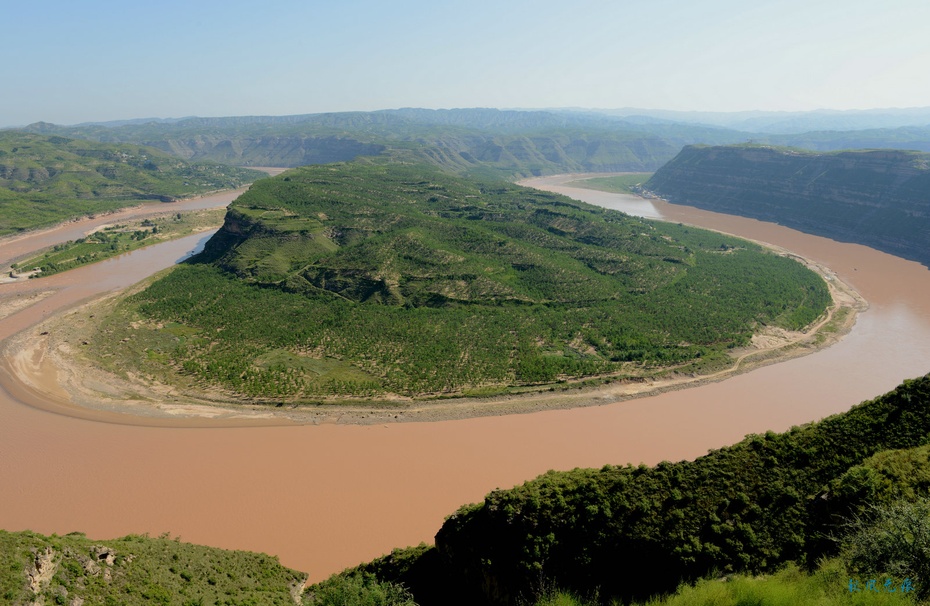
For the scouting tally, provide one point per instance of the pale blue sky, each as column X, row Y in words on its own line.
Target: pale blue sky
column 69, row 61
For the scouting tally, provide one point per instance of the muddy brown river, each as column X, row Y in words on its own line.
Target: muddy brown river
column 330, row 496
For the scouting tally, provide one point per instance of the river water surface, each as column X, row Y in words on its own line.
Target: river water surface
column 330, row 496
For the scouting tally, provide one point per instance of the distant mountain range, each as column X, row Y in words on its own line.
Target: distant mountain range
column 504, row 143
column 785, row 122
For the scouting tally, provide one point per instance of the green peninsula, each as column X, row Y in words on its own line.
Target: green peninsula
column 378, row 280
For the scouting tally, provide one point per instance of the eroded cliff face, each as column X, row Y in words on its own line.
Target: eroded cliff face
column 879, row 198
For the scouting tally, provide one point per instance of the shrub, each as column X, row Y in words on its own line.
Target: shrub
column 893, row 540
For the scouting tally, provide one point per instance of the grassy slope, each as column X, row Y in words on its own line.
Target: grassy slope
column 48, row 179
column 141, row 570
column 370, row 276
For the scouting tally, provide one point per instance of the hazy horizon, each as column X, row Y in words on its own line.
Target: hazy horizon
column 69, row 63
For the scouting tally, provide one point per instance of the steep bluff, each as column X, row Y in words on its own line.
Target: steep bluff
column 879, row 198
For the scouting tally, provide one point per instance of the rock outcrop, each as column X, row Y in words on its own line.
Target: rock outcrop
column 43, row 568
column 879, row 198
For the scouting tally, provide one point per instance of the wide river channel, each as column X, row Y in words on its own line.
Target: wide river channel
column 324, row 497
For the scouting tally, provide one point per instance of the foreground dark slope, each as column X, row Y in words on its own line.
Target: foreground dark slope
column 877, row 198
column 45, row 179
column 639, row 531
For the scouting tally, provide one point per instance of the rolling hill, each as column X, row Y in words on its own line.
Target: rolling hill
column 45, row 179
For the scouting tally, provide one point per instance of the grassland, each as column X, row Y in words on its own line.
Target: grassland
column 72, row 569
column 379, row 280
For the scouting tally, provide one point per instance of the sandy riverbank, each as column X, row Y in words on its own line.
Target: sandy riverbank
column 48, row 357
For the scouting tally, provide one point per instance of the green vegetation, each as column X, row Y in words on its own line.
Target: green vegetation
column 828, row 586
column 893, row 539
column 638, row 532
column 358, row 590
column 118, row 239
column 48, row 179
column 137, row 570
column 618, row 184
column 370, row 279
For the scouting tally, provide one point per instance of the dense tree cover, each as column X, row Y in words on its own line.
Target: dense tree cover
column 882, row 479
column 367, row 279
column 47, row 179
column 639, row 531
column 137, row 570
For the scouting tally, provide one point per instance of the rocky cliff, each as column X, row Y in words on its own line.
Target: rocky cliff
column 879, row 198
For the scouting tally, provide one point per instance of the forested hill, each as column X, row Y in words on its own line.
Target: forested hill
column 396, row 262
column 45, row 179
column 879, row 198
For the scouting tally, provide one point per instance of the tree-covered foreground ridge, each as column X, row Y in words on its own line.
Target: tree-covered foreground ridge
column 845, row 497
column 368, row 280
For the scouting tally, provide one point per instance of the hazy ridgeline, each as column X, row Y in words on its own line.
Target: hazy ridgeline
column 507, row 143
